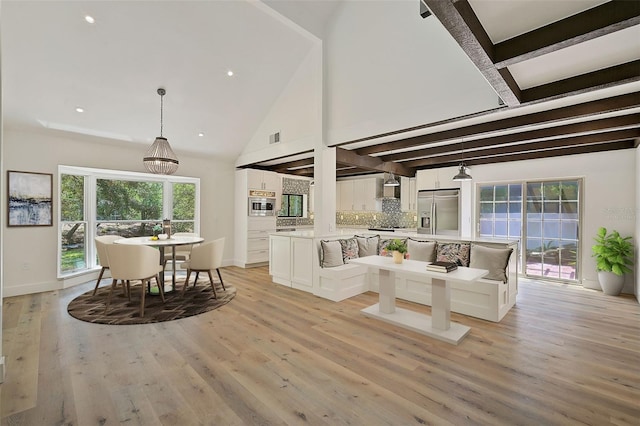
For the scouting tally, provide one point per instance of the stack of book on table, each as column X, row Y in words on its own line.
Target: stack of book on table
column 442, row 266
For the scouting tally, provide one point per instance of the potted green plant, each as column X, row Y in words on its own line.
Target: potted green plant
column 399, row 248
column 613, row 255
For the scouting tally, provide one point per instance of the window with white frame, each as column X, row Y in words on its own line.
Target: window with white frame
column 544, row 215
column 109, row 202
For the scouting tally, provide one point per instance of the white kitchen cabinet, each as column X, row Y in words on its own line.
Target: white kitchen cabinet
column 263, row 179
column 291, row 261
column 344, row 195
column 302, row 263
column 408, row 194
column 258, row 232
column 371, row 200
column 358, row 195
column 280, row 259
column 251, row 244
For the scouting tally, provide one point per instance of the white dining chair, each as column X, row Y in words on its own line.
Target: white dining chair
column 134, row 262
column 103, row 260
column 205, row 257
column 183, row 252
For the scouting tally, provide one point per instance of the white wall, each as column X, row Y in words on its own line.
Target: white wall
column 609, row 193
column 296, row 114
column 389, row 69
column 44, row 151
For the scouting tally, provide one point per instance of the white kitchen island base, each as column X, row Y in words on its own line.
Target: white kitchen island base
column 438, row 325
column 420, row 323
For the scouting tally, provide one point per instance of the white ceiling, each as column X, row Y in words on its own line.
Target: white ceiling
column 503, row 20
column 54, row 61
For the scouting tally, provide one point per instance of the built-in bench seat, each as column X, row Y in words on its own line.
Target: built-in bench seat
column 342, row 282
column 488, row 299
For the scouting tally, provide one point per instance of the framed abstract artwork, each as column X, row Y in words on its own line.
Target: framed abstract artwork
column 30, row 198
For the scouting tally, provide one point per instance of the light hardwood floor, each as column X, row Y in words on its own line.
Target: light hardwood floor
column 275, row 355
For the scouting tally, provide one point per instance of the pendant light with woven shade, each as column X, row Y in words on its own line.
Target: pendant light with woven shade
column 160, row 158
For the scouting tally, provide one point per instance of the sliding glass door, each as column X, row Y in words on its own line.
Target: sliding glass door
column 552, row 229
column 546, row 220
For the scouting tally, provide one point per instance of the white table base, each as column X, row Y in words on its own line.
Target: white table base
column 437, row 325
column 420, row 323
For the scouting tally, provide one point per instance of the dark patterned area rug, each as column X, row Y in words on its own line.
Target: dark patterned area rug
column 196, row 300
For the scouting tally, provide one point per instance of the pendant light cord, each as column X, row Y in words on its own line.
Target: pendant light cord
column 161, row 92
column 161, row 113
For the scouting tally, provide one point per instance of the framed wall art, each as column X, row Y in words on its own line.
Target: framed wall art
column 30, row 198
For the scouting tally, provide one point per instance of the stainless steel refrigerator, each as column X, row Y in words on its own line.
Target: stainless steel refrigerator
column 438, row 212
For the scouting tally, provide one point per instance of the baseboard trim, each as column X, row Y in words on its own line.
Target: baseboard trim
column 11, row 291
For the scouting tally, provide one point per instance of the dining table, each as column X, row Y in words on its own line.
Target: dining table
column 162, row 244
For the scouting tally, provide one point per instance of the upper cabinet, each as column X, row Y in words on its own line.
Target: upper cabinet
column 263, row 179
column 408, row 194
column 358, row 195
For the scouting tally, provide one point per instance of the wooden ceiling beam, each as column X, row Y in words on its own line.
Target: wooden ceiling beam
column 355, row 171
column 461, row 22
column 349, row 157
column 549, row 132
column 308, row 172
column 601, row 79
column 284, row 167
column 573, row 150
column 596, row 22
column 600, row 106
column 471, row 157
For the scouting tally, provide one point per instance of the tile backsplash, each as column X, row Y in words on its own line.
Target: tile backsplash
column 391, row 216
column 300, row 187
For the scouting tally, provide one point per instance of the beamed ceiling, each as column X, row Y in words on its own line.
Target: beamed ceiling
column 511, row 133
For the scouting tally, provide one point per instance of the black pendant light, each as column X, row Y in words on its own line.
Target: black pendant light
column 160, row 158
column 462, row 172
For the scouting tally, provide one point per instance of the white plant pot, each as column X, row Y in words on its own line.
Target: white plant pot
column 611, row 283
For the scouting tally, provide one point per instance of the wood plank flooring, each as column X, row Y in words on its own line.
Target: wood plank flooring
column 278, row 356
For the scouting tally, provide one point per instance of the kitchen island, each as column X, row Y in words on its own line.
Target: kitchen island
column 295, row 261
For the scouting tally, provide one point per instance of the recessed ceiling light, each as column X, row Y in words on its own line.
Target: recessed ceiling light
column 89, row 19
column 79, row 109
column 230, row 73
column 201, row 134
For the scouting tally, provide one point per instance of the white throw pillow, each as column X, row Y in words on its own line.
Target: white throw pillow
column 367, row 246
column 493, row 259
column 421, row 250
column 331, row 254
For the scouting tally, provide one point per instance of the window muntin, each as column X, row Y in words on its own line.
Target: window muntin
column 500, row 210
column 552, row 229
column 292, row 205
column 139, row 201
column 551, row 225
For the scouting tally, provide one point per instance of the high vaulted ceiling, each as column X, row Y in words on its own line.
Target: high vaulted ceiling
column 53, row 61
column 567, row 71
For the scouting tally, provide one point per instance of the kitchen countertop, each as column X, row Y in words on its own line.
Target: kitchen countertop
column 348, row 232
